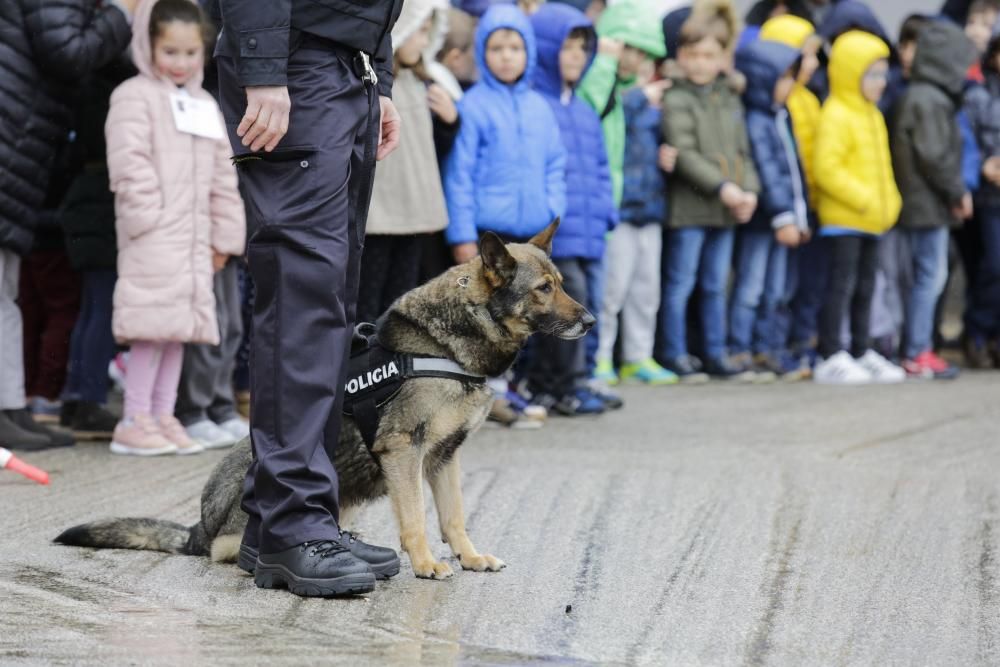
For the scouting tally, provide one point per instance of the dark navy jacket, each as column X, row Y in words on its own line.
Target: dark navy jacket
column 590, row 207
column 644, row 197
column 257, row 33
column 783, row 198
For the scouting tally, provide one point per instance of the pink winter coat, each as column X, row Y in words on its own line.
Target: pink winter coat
column 175, row 201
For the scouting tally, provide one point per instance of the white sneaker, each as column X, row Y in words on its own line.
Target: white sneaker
column 210, row 436
column 841, row 368
column 882, row 370
column 236, row 427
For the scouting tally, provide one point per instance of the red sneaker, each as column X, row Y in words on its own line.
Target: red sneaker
column 933, row 366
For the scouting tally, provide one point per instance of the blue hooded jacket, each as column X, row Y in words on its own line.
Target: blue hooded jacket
column 506, row 171
column 590, row 206
column 644, row 195
column 783, row 198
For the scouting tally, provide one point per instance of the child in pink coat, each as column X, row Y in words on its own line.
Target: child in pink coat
column 178, row 217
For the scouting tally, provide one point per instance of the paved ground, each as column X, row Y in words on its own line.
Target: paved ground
column 781, row 525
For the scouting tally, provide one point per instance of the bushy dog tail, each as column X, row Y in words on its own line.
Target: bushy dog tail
column 147, row 534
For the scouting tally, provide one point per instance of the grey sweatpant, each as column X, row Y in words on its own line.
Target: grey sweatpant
column 11, row 334
column 206, row 387
column 631, row 287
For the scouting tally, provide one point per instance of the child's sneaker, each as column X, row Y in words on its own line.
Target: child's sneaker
column 605, row 372
column 766, row 367
column 174, row 431
column 929, row 366
column 841, row 368
column 43, row 410
column 117, row 369
column 611, row 399
column 140, row 436
column 881, row 369
column 687, row 369
column 793, row 368
column 210, row 436
column 236, row 428
column 738, row 369
column 526, row 409
column 648, row 372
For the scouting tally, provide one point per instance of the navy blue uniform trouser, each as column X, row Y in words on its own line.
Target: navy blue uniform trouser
column 308, row 201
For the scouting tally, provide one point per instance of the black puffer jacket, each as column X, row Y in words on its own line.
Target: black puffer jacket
column 46, row 48
column 926, row 139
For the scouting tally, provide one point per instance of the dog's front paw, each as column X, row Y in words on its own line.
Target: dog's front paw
column 432, row 570
column 482, row 563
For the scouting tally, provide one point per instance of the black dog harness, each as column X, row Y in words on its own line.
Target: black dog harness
column 375, row 375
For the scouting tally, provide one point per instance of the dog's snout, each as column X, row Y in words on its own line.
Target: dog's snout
column 587, row 320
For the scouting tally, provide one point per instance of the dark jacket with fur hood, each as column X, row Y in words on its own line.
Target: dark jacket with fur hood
column 926, row 139
column 706, row 125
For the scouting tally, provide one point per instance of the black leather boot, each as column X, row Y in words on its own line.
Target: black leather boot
column 322, row 568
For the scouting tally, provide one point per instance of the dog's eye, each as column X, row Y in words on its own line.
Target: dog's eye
column 544, row 288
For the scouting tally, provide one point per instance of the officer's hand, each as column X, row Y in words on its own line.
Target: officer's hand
column 388, row 132
column 266, row 119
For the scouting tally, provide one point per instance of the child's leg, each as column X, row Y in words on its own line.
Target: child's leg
column 717, row 256
column 982, row 318
column 98, row 346
column 11, row 332
column 376, row 265
column 929, row 248
column 619, row 269
column 861, row 302
column 227, row 300
column 813, row 280
column 168, row 377
column 752, row 251
column 683, row 256
column 643, row 297
column 558, row 363
column 844, row 253
column 143, row 368
column 593, row 273
column 767, row 335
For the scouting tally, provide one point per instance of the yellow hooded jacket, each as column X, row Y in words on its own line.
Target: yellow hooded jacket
column 803, row 106
column 852, row 164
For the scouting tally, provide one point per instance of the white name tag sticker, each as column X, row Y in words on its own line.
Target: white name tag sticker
column 194, row 116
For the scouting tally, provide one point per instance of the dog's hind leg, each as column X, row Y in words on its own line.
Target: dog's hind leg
column 446, row 485
column 403, row 469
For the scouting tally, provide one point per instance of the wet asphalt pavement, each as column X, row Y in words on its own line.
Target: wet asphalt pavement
column 719, row 525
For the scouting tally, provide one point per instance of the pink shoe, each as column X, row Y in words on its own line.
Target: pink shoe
column 174, row 432
column 140, row 436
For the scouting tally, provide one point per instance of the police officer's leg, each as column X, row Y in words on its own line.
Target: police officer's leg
column 300, row 258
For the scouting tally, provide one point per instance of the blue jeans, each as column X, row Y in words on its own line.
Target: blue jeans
column 982, row 316
column 696, row 255
column 594, row 273
column 761, row 264
column 929, row 250
column 92, row 345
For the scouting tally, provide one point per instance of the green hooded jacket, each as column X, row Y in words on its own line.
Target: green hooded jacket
column 637, row 24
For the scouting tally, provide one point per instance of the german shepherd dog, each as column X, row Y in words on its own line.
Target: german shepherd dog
column 479, row 315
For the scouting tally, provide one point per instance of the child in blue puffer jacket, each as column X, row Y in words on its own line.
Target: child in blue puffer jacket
column 566, row 46
column 781, row 219
column 506, row 171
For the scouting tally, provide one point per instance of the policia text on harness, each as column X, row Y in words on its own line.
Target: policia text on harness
column 375, row 375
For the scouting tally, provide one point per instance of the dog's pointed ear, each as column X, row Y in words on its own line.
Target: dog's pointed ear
column 499, row 266
column 543, row 239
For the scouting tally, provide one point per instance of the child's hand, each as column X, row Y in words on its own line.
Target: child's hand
column 788, row 236
column 730, row 195
column 654, row 91
column 610, row 47
column 463, row 252
column 744, row 210
column 964, row 209
column 668, row 158
column 441, row 104
column 991, row 169
column 219, row 261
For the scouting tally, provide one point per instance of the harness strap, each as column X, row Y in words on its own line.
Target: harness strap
column 435, row 367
